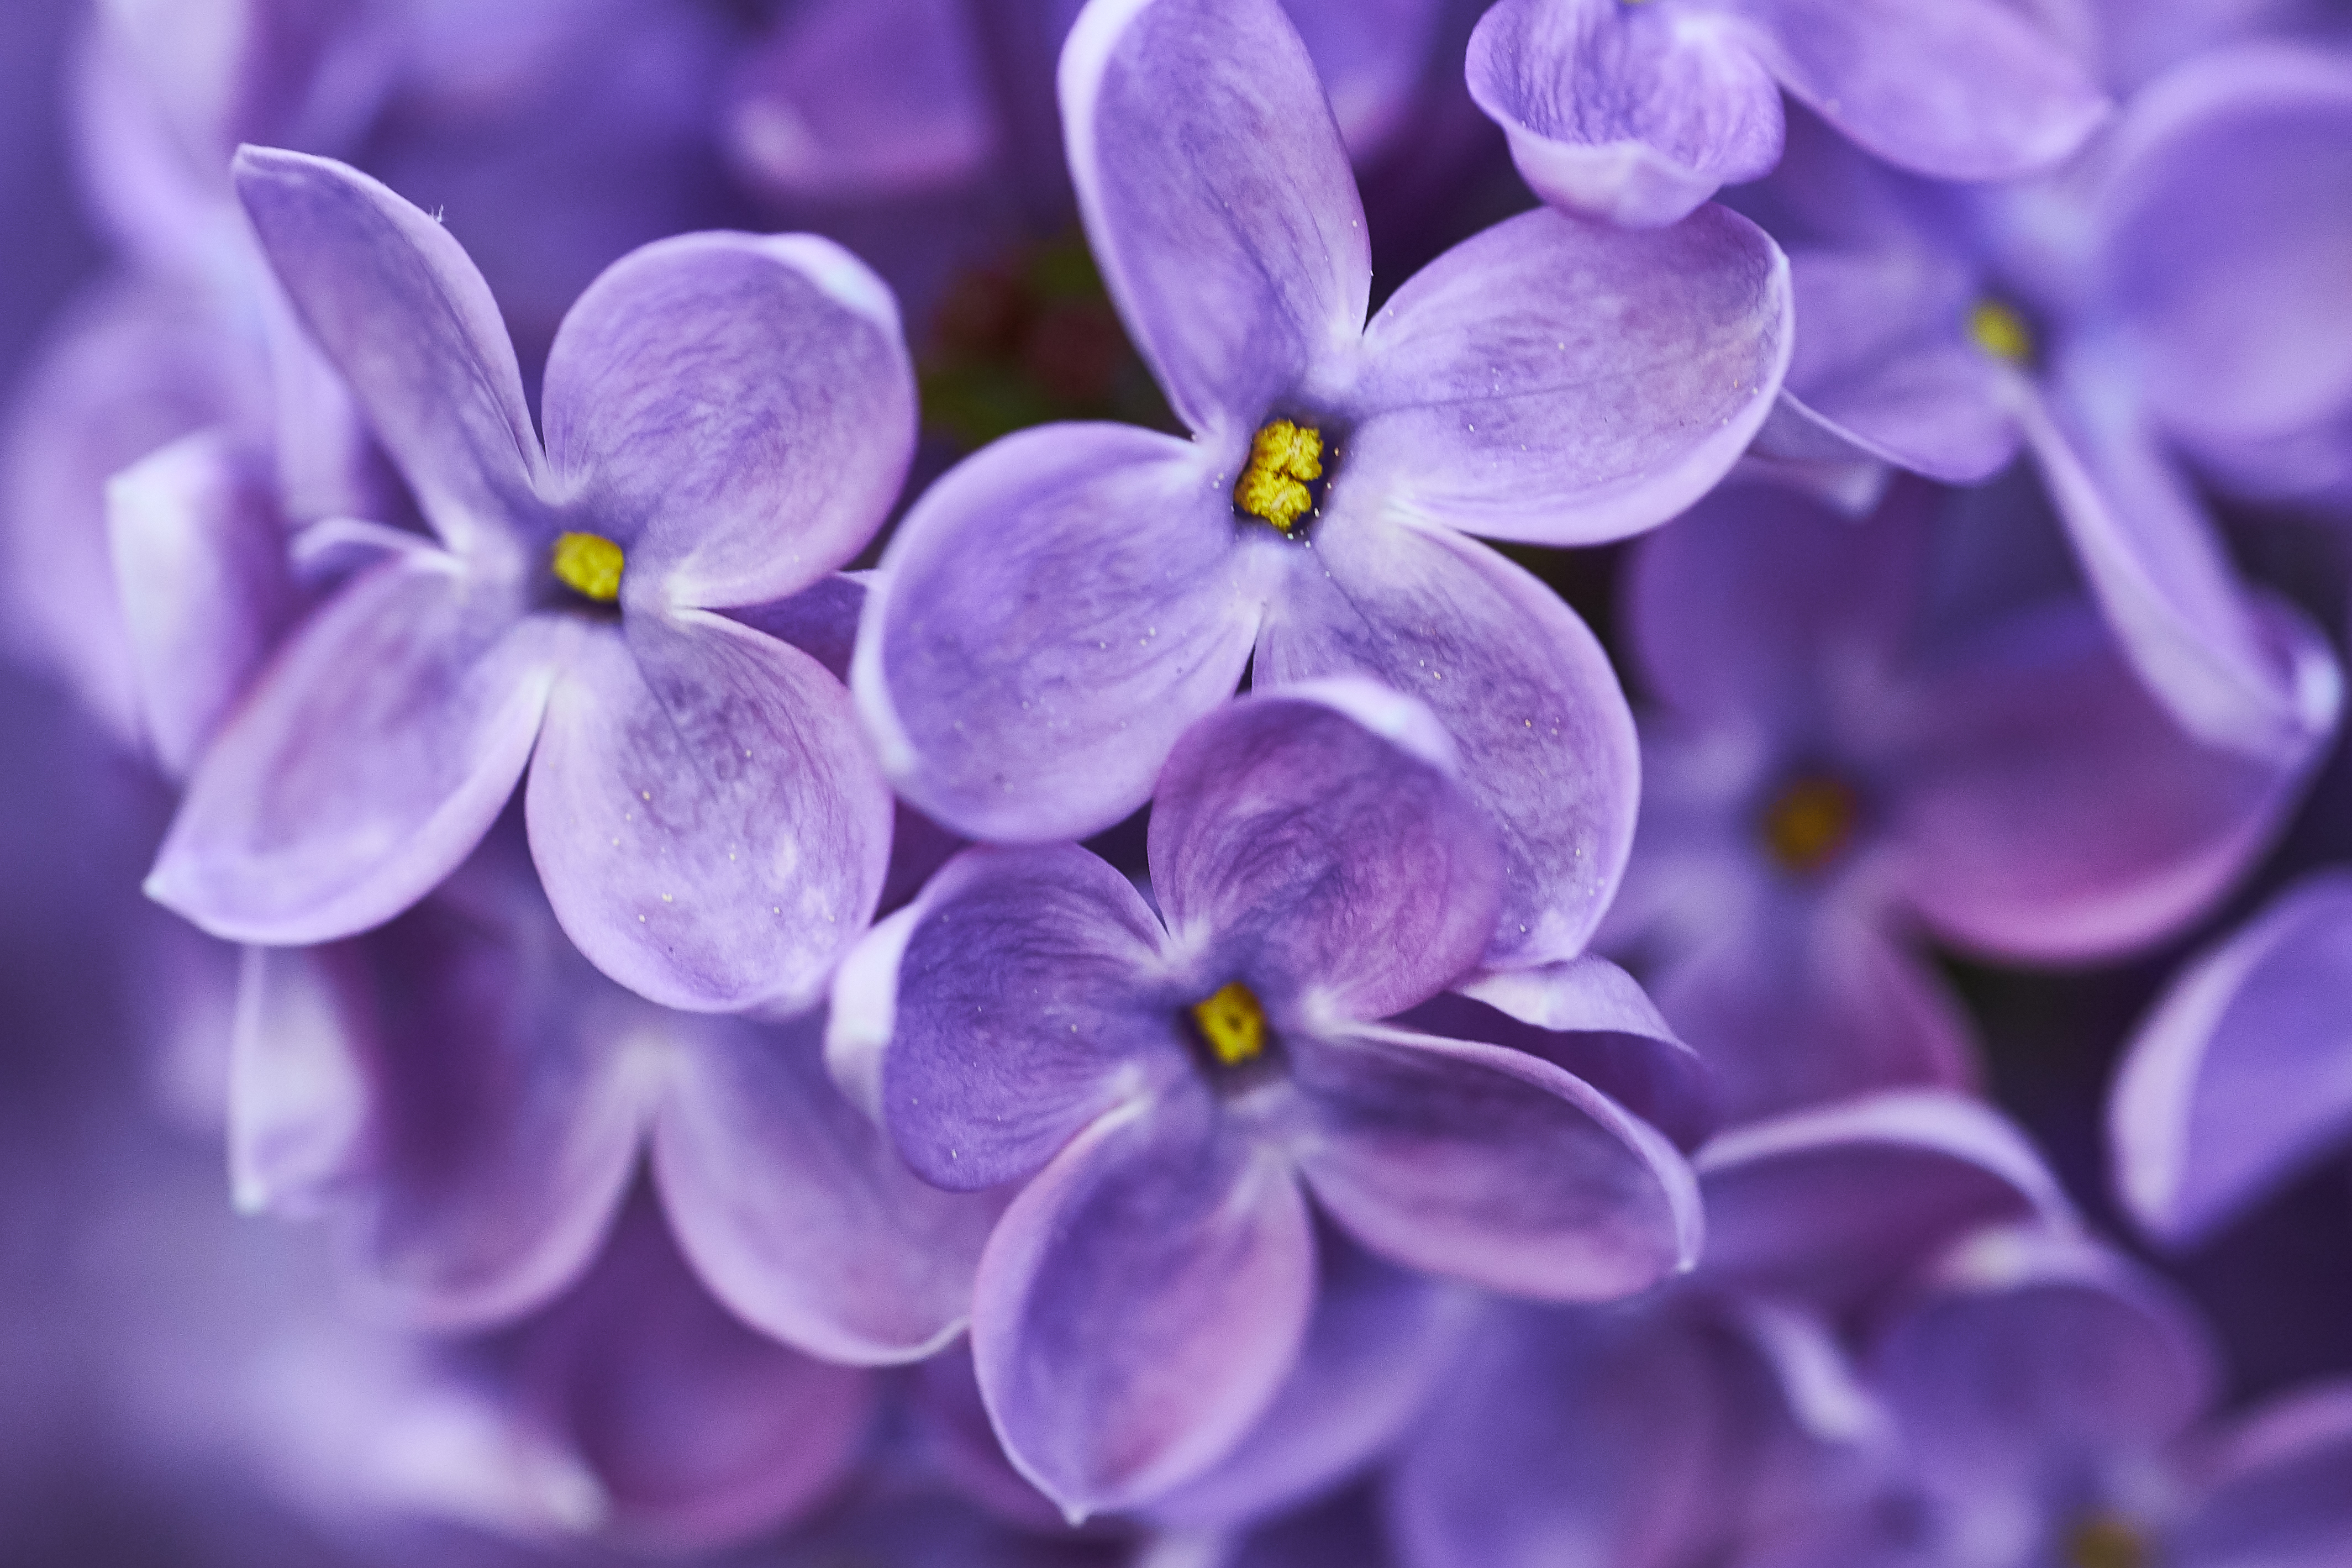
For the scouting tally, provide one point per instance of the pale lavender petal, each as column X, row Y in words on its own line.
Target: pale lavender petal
column 1219, row 201
column 796, row 1211
column 1141, row 1302
column 2283, row 1498
column 2267, row 687
column 1836, row 1205
column 735, row 412
column 1048, row 619
column 398, row 308
column 1324, row 851
column 1563, row 382
column 1965, row 89
column 366, row 762
column 1024, row 1002
column 2241, row 1076
column 2224, row 244
column 2055, row 812
column 201, row 568
column 711, row 828
column 1630, row 114
column 1491, row 1166
column 1546, row 742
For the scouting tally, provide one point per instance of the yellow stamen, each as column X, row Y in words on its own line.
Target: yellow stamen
column 1810, row 823
column 2000, row 332
column 2104, row 1540
column 589, row 565
column 1233, row 1023
column 1283, row 458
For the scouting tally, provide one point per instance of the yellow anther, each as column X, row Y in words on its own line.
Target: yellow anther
column 1283, row 458
column 1810, row 823
column 589, row 565
column 1233, row 1023
column 2000, row 332
column 2104, row 1540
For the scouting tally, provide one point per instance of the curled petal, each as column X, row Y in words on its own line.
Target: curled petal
column 1219, row 200
column 1049, row 618
column 1141, row 1302
column 2283, row 1493
column 2242, row 1073
column 366, row 762
column 1627, row 115
column 1561, row 381
column 1491, row 1166
column 1296, row 842
column 738, row 412
column 710, row 825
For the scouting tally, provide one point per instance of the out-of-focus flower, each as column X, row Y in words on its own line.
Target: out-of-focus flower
column 1053, row 612
column 1172, row 1091
column 727, row 419
column 1831, row 775
column 1636, row 112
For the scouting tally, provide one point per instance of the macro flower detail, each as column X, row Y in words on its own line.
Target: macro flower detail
column 1058, row 608
column 727, row 418
column 1173, row 1085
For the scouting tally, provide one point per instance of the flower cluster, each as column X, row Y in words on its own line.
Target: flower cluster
column 872, row 758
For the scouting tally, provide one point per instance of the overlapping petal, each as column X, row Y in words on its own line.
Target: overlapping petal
column 1219, row 201
column 711, row 829
column 735, row 412
column 2279, row 1495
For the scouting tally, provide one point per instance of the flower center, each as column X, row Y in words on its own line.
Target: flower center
column 1811, row 822
column 589, row 565
column 1232, row 1024
column 2000, row 332
column 2104, row 1540
column 1283, row 458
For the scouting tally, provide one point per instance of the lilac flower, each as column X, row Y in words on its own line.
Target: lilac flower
column 1055, row 611
column 2171, row 296
column 2241, row 1077
column 1833, row 774
column 2048, row 1394
column 727, row 419
column 1171, row 1091
column 1637, row 113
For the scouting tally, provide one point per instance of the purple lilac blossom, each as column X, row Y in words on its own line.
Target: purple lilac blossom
column 1172, row 1083
column 1833, row 774
column 1636, row 111
column 2167, row 302
column 727, row 418
column 1055, row 611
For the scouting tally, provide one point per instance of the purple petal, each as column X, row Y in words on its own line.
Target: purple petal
column 736, row 412
column 366, row 762
column 1547, row 742
column 2242, row 1073
column 1219, row 200
column 2056, row 813
column 1024, row 1006
column 1048, row 618
column 2034, row 1360
column 1141, row 1302
column 710, row 827
column 1590, row 1019
column 1491, row 1166
column 2265, row 685
column 1315, row 839
column 455, row 1087
column 1631, row 116
column 1836, row 1205
column 797, row 1212
column 200, row 564
column 1563, row 382
column 2283, row 1495
column 396, row 305
column 1968, row 89
column 1373, row 56
column 2224, row 244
